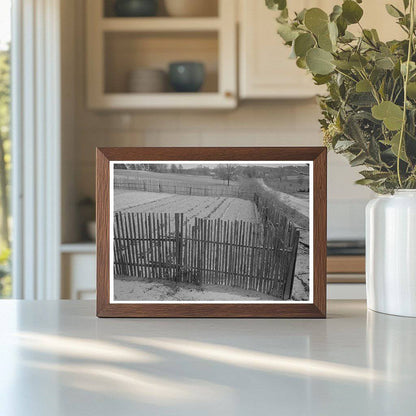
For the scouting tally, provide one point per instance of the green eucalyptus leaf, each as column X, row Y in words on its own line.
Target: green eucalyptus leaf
column 396, row 71
column 393, row 11
column 377, row 75
column 343, row 65
column 325, row 42
column 375, row 35
column 351, row 11
column 276, row 4
column 358, row 61
column 316, row 20
column 320, row 61
column 364, row 182
column 358, row 160
column 342, row 25
column 333, row 32
column 321, row 79
column 371, row 35
column 363, row 86
column 394, row 144
column 374, row 150
column 386, row 62
column 406, row 4
column 388, row 112
column 374, row 175
column 336, row 12
column 303, row 43
column 405, row 21
column 347, row 37
column 343, row 145
column 368, row 35
column 286, row 32
column 411, row 90
column 301, row 63
column 361, row 99
column 412, row 67
column 282, row 19
column 300, row 17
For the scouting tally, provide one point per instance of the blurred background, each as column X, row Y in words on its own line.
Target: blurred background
column 100, row 73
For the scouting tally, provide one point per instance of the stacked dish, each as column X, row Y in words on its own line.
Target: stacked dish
column 147, row 80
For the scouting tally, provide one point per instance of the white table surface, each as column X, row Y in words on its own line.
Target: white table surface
column 58, row 359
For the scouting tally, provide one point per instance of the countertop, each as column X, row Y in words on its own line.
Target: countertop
column 57, row 358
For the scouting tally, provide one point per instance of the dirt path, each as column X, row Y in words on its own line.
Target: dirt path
column 301, row 205
column 162, row 290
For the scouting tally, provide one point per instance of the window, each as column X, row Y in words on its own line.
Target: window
column 5, row 147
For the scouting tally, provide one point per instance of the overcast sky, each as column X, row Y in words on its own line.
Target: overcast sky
column 270, row 165
column 211, row 165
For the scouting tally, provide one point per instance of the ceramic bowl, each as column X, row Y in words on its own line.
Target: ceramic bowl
column 136, row 8
column 186, row 76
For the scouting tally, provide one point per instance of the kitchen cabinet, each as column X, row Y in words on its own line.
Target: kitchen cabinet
column 78, row 263
column 265, row 70
column 118, row 45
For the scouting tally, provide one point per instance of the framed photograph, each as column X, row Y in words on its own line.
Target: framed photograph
column 211, row 232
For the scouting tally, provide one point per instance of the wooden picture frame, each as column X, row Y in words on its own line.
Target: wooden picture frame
column 315, row 307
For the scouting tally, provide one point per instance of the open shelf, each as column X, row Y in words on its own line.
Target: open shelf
column 127, row 51
column 211, row 9
column 160, row 24
column 130, row 101
column 116, row 46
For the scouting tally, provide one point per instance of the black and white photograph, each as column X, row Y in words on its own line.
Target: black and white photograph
column 211, row 232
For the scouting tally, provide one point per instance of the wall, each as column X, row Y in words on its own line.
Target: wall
column 265, row 123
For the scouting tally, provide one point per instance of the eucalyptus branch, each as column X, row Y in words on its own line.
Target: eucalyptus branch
column 373, row 89
column 363, row 109
column 406, row 80
column 346, row 75
column 392, row 90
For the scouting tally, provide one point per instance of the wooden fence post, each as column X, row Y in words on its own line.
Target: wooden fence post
column 291, row 270
column 178, row 245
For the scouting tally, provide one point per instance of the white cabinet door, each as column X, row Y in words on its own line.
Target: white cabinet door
column 265, row 68
column 78, row 276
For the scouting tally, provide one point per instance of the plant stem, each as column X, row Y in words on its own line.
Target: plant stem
column 345, row 75
column 406, row 80
column 373, row 89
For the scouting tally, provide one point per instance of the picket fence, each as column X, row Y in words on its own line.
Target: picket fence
column 251, row 256
column 172, row 187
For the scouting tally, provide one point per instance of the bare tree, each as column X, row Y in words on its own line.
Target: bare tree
column 226, row 172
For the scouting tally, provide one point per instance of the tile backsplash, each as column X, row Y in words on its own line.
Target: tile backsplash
column 287, row 123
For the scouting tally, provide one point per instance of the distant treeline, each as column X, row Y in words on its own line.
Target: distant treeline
column 229, row 172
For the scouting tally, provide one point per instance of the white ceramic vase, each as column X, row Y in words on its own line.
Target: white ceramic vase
column 391, row 253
